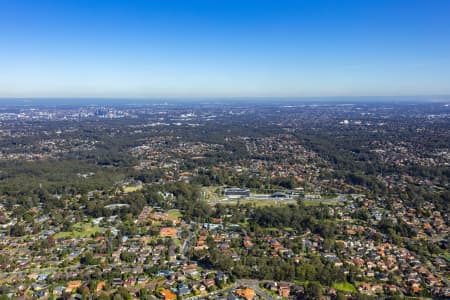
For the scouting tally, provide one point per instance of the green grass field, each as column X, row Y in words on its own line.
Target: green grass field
column 344, row 287
column 274, row 202
column 174, row 213
column 79, row 230
column 131, row 189
column 317, row 202
column 259, row 203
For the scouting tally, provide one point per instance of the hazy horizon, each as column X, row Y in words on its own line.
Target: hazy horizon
column 221, row 49
column 59, row 101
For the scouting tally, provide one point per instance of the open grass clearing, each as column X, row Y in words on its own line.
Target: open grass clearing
column 78, row 230
column 259, row 203
column 344, row 287
column 131, row 189
column 174, row 213
column 318, row 202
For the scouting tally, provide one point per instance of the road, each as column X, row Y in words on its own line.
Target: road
column 187, row 241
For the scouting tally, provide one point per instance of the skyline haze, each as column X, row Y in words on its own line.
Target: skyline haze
column 222, row 49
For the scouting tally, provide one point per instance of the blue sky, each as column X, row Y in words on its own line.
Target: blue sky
column 215, row 48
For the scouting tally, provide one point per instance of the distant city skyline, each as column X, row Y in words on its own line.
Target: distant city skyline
column 220, row 49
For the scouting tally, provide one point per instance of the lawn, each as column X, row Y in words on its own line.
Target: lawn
column 131, row 189
column 174, row 213
column 318, row 202
column 78, row 230
column 260, row 203
column 344, row 287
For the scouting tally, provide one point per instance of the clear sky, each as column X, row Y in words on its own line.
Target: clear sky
column 221, row 48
